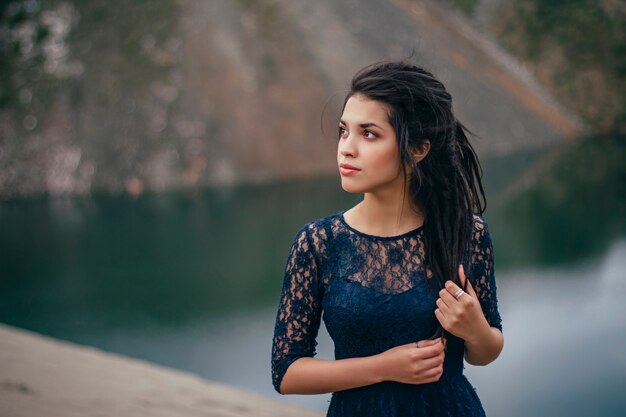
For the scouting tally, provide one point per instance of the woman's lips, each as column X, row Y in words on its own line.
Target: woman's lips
column 345, row 169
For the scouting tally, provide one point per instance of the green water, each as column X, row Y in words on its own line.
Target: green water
column 168, row 258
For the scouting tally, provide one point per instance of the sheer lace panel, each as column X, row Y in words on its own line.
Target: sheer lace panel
column 390, row 265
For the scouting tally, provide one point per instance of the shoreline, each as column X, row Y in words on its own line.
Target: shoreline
column 40, row 375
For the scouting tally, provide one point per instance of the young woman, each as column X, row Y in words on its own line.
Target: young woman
column 405, row 278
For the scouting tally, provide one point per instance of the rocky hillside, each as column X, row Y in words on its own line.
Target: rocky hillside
column 577, row 48
column 150, row 95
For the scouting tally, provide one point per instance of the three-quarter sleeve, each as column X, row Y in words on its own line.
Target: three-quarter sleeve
column 482, row 276
column 299, row 309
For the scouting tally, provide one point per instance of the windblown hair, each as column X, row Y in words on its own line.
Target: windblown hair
column 445, row 185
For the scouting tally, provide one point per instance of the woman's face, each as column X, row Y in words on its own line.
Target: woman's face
column 367, row 153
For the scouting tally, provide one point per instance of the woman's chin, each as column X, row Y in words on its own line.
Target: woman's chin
column 350, row 187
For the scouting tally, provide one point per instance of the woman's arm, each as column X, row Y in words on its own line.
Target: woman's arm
column 484, row 347
column 410, row 363
column 319, row 376
column 299, row 310
column 473, row 316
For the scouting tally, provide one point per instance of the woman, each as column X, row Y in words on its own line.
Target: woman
column 405, row 278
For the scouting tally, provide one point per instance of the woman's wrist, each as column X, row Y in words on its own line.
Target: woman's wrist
column 486, row 347
column 376, row 368
column 481, row 333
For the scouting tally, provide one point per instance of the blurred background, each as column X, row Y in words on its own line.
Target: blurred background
column 157, row 158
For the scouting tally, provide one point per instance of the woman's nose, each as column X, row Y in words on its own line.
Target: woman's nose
column 347, row 147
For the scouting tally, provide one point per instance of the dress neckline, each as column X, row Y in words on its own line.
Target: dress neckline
column 375, row 237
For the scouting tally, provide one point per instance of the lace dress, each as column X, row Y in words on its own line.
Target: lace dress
column 373, row 295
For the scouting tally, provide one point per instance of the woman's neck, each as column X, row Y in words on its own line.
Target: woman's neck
column 384, row 216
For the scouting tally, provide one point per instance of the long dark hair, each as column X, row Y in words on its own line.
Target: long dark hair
column 445, row 185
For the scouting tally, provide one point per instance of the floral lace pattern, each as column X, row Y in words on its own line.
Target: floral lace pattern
column 327, row 259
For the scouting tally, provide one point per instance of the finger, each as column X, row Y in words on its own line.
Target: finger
column 441, row 318
column 447, row 296
column 428, row 342
column 453, row 290
column 446, row 309
column 433, row 374
column 431, row 351
column 442, row 309
column 431, row 363
column 466, row 282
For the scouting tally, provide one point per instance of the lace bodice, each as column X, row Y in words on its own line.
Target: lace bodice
column 374, row 292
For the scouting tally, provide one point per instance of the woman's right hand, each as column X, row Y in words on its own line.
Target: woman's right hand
column 413, row 363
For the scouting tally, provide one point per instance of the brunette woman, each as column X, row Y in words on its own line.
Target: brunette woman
column 404, row 280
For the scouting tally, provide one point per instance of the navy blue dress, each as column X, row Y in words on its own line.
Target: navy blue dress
column 374, row 293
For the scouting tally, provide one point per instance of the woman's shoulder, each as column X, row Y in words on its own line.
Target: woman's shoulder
column 318, row 231
column 479, row 223
column 480, row 236
column 321, row 225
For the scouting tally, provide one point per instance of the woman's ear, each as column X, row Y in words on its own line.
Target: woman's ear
column 421, row 151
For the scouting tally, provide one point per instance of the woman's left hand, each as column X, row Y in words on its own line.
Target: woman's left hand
column 462, row 316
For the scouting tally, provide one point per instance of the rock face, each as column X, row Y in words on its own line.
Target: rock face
column 151, row 95
column 46, row 377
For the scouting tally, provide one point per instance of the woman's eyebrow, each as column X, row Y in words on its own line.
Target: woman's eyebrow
column 364, row 125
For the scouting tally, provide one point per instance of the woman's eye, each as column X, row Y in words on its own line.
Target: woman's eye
column 369, row 134
column 342, row 131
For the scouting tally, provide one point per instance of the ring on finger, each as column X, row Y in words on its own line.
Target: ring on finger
column 459, row 293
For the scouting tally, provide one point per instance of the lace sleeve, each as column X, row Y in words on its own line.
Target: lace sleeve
column 299, row 309
column 482, row 275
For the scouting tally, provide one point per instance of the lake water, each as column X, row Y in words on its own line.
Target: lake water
column 191, row 280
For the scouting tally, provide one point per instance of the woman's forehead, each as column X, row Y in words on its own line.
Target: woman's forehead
column 361, row 110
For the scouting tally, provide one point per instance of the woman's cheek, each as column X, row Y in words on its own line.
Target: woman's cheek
column 387, row 160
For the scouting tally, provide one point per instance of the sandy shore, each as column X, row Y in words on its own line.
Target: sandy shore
column 40, row 376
